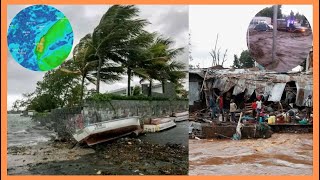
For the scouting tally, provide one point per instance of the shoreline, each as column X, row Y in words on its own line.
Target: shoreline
column 125, row 156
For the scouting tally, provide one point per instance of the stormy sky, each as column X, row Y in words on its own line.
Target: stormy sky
column 231, row 23
column 171, row 21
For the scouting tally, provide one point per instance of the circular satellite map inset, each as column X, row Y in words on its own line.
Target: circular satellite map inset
column 279, row 44
column 40, row 37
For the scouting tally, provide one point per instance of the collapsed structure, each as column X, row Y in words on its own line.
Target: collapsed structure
column 280, row 92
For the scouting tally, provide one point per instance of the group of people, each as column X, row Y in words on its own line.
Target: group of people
column 256, row 107
column 225, row 106
column 219, row 106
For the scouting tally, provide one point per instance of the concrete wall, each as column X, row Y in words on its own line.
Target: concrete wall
column 103, row 111
column 64, row 121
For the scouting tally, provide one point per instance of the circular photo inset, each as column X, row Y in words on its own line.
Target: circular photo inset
column 40, row 37
column 282, row 46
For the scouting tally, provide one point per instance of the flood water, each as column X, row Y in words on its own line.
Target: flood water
column 282, row 154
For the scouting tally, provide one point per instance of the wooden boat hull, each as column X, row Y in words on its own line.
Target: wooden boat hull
column 108, row 130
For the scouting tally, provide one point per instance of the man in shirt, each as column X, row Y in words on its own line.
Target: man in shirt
column 213, row 107
column 259, row 106
column 308, row 104
column 233, row 109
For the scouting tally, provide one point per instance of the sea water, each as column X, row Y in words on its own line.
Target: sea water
column 23, row 131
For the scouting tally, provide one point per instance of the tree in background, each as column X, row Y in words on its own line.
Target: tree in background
column 268, row 12
column 245, row 60
column 159, row 64
column 180, row 91
column 217, row 59
column 136, row 57
column 136, row 90
column 57, row 89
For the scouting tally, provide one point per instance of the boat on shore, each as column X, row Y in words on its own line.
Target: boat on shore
column 108, row 130
column 159, row 124
column 183, row 116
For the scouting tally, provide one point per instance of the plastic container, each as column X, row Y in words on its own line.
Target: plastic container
column 260, row 119
column 272, row 119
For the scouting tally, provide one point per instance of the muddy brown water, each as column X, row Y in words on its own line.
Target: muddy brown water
column 291, row 49
column 282, row 154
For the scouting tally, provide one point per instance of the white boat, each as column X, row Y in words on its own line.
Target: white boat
column 159, row 124
column 183, row 116
column 107, row 130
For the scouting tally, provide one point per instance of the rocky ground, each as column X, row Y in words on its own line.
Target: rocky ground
column 125, row 156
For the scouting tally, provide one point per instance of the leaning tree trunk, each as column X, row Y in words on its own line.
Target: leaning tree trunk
column 163, row 86
column 82, row 89
column 150, row 88
column 129, row 81
column 98, row 75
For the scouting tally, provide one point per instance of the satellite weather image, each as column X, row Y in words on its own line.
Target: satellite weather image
column 40, row 37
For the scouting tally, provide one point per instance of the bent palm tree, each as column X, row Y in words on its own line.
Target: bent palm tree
column 160, row 65
column 86, row 62
column 112, row 37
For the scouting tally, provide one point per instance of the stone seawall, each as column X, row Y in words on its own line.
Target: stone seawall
column 103, row 111
column 64, row 120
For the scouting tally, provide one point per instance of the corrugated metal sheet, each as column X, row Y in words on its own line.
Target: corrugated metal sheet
column 276, row 92
column 250, row 89
column 228, row 85
column 263, row 82
column 219, row 83
column 303, row 91
column 239, row 87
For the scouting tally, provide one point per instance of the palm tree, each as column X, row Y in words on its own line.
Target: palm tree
column 85, row 62
column 112, row 37
column 160, row 65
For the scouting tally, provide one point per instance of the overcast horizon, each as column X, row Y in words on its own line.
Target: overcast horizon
column 168, row 20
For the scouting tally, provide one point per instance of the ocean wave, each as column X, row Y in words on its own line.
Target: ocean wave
column 19, row 132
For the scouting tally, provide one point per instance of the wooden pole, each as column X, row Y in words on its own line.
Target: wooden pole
column 274, row 43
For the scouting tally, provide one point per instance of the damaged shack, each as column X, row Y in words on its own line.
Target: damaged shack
column 283, row 97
